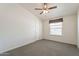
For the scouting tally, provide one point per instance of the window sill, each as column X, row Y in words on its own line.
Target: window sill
column 55, row 35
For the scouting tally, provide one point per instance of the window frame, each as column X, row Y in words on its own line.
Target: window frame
column 55, row 34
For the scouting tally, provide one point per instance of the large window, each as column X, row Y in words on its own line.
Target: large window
column 56, row 27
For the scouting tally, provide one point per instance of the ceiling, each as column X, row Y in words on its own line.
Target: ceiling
column 63, row 9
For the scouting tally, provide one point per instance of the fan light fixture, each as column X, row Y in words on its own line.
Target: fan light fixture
column 45, row 9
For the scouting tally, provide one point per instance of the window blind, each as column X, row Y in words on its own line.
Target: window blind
column 56, row 20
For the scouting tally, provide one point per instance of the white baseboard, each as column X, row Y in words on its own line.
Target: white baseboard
column 3, row 51
column 61, row 42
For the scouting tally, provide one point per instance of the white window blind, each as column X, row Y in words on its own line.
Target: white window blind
column 56, row 27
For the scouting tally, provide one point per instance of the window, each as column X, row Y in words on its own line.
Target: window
column 56, row 27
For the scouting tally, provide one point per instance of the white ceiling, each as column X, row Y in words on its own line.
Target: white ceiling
column 63, row 9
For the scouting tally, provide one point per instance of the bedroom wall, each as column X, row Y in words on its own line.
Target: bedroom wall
column 18, row 27
column 69, row 30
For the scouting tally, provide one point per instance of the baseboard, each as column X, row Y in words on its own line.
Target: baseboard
column 30, row 43
column 4, row 51
column 61, row 42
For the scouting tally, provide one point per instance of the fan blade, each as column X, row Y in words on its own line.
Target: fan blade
column 52, row 7
column 41, row 12
column 38, row 9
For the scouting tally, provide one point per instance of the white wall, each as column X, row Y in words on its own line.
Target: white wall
column 69, row 30
column 18, row 27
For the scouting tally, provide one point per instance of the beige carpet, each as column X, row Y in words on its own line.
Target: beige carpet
column 45, row 48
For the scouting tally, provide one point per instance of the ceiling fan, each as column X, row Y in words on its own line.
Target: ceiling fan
column 45, row 8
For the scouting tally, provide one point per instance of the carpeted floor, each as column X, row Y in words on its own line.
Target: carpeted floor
column 45, row 48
